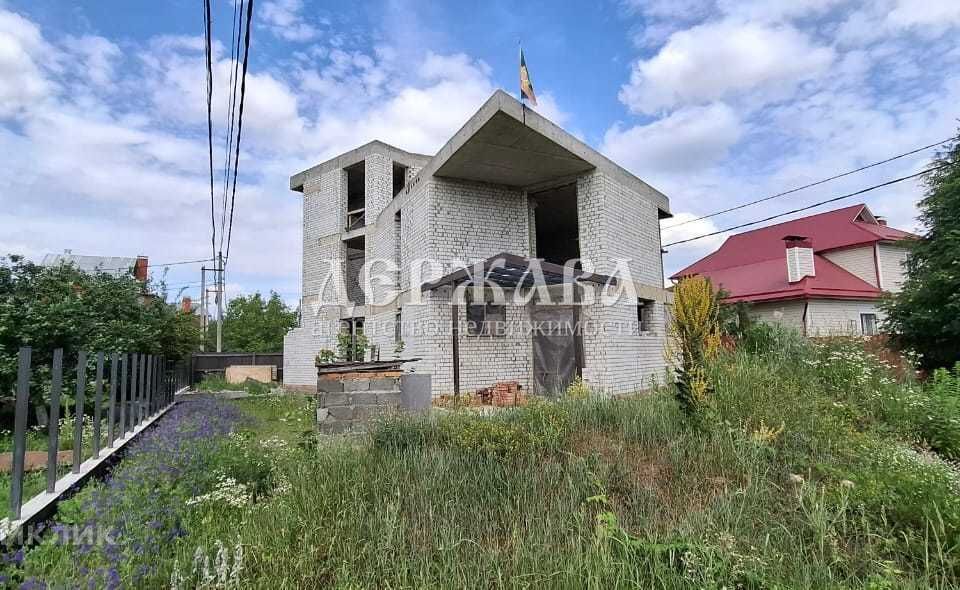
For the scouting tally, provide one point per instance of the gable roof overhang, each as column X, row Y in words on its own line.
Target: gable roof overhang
column 509, row 144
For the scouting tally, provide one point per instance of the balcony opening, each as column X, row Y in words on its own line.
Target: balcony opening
column 557, row 225
column 399, row 177
column 353, row 265
column 356, row 195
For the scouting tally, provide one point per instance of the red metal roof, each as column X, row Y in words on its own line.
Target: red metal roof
column 752, row 266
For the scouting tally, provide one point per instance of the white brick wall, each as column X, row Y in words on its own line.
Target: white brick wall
column 457, row 221
column 379, row 185
column 473, row 221
column 617, row 223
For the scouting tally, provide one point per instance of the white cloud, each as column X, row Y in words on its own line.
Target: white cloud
column 121, row 168
column 284, row 19
column 882, row 19
column 777, row 10
column 721, row 59
column 911, row 13
column 683, row 226
column 97, row 54
column 688, row 139
column 548, row 106
column 21, row 49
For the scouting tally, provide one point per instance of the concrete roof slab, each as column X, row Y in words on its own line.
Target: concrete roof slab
column 505, row 151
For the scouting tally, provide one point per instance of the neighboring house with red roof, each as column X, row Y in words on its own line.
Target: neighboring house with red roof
column 821, row 274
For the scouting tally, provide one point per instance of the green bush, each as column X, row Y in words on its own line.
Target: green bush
column 761, row 338
column 940, row 424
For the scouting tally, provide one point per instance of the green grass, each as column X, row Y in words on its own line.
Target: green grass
column 809, row 473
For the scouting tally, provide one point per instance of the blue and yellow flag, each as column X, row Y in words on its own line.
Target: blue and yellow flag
column 526, row 86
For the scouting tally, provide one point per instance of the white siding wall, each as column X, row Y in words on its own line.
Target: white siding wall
column 788, row 314
column 857, row 261
column 892, row 258
column 825, row 317
column 838, row 317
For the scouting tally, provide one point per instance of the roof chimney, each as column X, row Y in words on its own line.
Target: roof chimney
column 799, row 258
column 880, row 219
column 140, row 269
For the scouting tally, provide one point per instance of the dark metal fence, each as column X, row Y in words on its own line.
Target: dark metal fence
column 134, row 390
column 216, row 363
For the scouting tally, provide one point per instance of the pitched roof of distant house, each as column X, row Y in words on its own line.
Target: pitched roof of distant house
column 752, row 266
column 115, row 265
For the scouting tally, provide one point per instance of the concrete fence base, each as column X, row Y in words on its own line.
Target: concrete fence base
column 347, row 402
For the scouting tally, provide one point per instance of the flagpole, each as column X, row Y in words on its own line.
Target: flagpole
column 523, row 106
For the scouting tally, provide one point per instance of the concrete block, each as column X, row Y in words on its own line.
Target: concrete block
column 391, row 399
column 328, row 400
column 329, row 385
column 415, row 392
column 335, row 427
column 341, row 412
column 368, row 412
column 364, row 398
column 388, row 384
column 356, row 384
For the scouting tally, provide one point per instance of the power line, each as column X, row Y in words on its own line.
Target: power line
column 243, row 89
column 235, row 32
column 812, row 184
column 207, row 50
column 831, row 200
column 175, row 263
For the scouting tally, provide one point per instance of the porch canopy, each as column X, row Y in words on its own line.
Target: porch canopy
column 511, row 271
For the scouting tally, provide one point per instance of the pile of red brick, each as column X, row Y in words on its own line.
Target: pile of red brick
column 506, row 393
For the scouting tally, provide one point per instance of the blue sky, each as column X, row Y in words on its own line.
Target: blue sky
column 714, row 102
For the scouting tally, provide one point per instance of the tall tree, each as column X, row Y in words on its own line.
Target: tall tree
column 63, row 307
column 252, row 324
column 925, row 315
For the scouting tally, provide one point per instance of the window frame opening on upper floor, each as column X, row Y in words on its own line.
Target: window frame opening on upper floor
column 557, row 224
column 399, row 177
column 354, row 249
column 356, row 200
column 645, row 309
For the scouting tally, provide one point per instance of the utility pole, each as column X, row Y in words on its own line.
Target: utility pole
column 203, row 307
column 220, row 302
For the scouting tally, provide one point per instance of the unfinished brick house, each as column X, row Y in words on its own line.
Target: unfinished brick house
column 508, row 187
